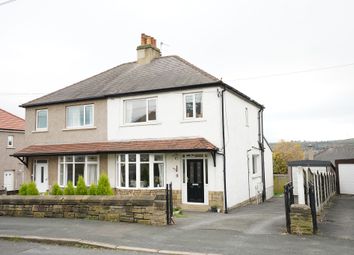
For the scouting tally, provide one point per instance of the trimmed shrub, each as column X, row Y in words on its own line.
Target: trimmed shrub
column 81, row 188
column 32, row 189
column 69, row 189
column 103, row 187
column 23, row 189
column 56, row 190
column 92, row 190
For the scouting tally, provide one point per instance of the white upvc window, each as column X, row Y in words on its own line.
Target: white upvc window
column 80, row 116
column 140, row 110
column 140, row 171
column 42, row 120
column 10, row 141
column 246, row 117
column 255, row 164
column 193, row 105
column 71, row 167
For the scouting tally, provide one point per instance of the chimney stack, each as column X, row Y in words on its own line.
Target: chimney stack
column 147, row 51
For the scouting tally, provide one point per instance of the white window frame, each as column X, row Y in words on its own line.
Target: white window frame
column 73, row 162
column 246, row 117
column 84, row 125
column 138, row 163
column 10, row 139
column 255, row 167
column 194, row 106
column 41, row 129
column 147, row 99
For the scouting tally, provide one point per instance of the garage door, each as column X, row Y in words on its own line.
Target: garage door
column 346, row 178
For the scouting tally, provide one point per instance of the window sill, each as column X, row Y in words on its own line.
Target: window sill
column 140, row 124
column 11, row 148
column 131, row 188
column 40, row 131
column 78, row 128
column 255, row 176
column 193, row 120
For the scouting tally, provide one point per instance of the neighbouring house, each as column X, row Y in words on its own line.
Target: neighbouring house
column 12, row 137
column 146, row 123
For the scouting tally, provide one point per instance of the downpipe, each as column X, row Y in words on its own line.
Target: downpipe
column 261, row 146
column 224, row 146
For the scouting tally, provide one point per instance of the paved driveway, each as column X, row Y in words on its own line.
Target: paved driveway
column 254, row 229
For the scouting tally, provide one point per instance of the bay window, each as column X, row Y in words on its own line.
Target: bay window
column 193, row 106
column 140, row 170
column 71, row 167
column 140, row 110
column 79, row 116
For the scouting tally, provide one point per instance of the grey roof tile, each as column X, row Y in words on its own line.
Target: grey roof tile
column 162, row 73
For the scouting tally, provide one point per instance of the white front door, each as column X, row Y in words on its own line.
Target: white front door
column 9, row 180
column 41, row 177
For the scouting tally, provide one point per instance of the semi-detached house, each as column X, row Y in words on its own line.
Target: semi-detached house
column 146, row 123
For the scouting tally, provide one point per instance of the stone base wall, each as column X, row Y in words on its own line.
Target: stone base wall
column 177, row 198
column 149, row 210
column 216, row 198
column 301, row 220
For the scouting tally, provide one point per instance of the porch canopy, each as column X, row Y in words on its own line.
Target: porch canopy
column 133, row 146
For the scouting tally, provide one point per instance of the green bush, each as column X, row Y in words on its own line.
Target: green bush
column 23, row 189
column 81, row 188
column 103, row 187
column 32, row 189
column 56, row 190
column 69, row 189
column 92, row 190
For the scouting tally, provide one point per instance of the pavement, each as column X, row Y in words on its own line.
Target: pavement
column 253, row 229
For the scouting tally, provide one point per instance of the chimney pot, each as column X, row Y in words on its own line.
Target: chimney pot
column 147, row 51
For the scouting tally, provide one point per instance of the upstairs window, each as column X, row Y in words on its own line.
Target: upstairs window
column 79, row 116
column 10, row 141
column 140, row 110
column 193, row 106
column 246, row 117
column 42, row 120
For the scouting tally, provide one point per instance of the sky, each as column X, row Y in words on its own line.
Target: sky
column 294, row 57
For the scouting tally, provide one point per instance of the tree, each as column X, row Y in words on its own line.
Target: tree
column 283, row 153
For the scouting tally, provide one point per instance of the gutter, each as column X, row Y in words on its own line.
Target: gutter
column 224, row 146
column 261, row 146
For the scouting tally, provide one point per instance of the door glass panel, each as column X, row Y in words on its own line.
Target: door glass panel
column 42, row 174
column 79, row 170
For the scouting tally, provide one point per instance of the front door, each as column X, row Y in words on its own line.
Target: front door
column 41, row 177
column 9, row 180
column 195, row 181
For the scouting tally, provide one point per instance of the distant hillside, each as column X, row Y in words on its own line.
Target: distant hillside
column 322, row 145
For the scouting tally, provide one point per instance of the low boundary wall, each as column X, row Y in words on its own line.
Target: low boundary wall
column 149, row 210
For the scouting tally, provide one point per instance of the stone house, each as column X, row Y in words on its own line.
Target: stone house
column 12, row 137
column 146, row 123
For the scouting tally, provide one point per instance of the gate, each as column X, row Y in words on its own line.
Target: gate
column 169, row 204
column 289, row 200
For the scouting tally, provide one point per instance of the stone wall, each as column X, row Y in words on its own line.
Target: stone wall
column 149, row 210
column 216, row 198
column 301, row 219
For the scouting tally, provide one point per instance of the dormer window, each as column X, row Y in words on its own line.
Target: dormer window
column 140, row 110
column 79, row 116
column 193, row 105
column 42, row 120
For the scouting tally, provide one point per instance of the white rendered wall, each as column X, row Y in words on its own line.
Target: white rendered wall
column 241, row 142
column 170, row 119
column 295, row 171
column 268, row 164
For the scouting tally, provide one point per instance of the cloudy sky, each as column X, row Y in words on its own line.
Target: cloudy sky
column 295, row 57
